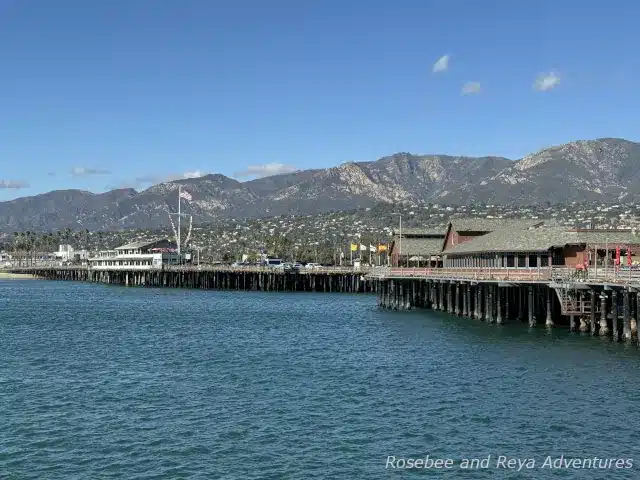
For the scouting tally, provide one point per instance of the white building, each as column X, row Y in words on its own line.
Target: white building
column 141, row 255
column 66, row 253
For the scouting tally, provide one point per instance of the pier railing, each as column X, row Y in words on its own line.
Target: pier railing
column 500, row 274
column 623, row 275
column 559, row 274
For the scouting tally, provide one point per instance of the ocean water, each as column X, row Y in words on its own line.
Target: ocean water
column 114, row 382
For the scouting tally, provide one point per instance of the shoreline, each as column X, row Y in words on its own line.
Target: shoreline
column 16, row 276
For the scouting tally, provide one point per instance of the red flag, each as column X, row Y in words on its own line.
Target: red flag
column 617, row 255
column 629, row 256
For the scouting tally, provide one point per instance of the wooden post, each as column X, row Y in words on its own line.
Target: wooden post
column 498, row 305
column 604, row 327
column 614, row 316
column 507, row 304
column 626, row 320
column 532, row 318
column 549, row 320
column 465, row 299
column 592, row 315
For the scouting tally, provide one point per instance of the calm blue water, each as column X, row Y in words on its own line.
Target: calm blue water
column 113, row 382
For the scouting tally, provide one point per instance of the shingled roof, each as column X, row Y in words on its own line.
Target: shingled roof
column 480, row 224
column 604, row 237
column 539, row 239
column 417, row 232
column 417, row 246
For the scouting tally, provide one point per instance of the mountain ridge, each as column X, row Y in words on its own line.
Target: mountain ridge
column 604, row 169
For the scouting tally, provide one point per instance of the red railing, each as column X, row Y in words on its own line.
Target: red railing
column 515, row 274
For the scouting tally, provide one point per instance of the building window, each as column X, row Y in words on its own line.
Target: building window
column 511, row 261
column 533, row 260
column 522, row 261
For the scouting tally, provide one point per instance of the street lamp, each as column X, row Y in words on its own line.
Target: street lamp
column 400, row 242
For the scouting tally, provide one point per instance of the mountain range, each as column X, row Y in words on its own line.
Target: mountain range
column 606, row 169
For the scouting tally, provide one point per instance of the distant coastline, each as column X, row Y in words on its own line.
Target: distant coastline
column 15, row 276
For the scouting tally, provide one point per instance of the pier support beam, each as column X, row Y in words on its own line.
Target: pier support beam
column 478, row 304
column 488, row 311
column 604, row 328
column 549, row 320
column 572, row 323
column 521, row 303
column 614, row 316
column 634, row 315
column 507, row 304
column 499, row 319
column 626, row 319
column 458, row 294
column 592, row 314
column 465, row 299
column 532, row 317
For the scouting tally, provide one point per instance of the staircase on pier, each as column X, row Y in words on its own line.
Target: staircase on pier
column 573, row 300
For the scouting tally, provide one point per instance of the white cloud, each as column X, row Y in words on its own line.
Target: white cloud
column 546, row 81
column 16, row 184
column 194, row 174
column 470, row 88
column 265, row 170
column 83, row 171
column 442, row 64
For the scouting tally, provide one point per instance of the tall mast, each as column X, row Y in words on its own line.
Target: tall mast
column 179, row 218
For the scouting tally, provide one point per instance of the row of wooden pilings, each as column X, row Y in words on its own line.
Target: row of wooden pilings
column 610, row 312
column 218, row 280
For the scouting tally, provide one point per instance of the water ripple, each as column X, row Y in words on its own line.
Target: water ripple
column 109, row 382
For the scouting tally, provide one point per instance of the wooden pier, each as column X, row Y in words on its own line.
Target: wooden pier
column 604, row 304
column 346, row 280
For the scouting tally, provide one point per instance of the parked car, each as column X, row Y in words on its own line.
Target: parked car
column 297, row 266
column 313, row 266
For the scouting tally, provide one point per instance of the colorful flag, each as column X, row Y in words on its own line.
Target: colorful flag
column 382, row 248
column 629, row 261
column 617, row 255
column 354, row 247
column 186, row 195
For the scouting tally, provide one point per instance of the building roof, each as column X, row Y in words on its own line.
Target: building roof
column 604, row 237
column 420, row 232
column 417, row 246
column 481, row 224
column 539, row 239
column 140, row 244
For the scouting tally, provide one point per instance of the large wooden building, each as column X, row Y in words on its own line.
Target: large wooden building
column 531, row 244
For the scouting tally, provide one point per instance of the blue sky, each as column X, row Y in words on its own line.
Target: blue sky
column 100, row 94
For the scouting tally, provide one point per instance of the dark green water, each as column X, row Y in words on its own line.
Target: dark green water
column 110, row 382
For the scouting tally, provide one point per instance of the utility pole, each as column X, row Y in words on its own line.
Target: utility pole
column 400, row 242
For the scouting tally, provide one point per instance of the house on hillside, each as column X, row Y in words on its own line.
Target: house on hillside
column 416, row 248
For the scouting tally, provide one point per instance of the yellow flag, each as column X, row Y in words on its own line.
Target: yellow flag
column 382, row 248
column 354, row 247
